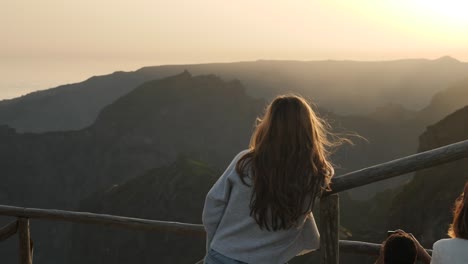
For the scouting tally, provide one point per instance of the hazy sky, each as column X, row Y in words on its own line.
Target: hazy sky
column 50, row 42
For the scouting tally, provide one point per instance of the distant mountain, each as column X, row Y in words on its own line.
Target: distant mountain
column 445, row 102
column 203, row 117
column 171, row 193
column 392, row 113
column 424, row 205
column 344, row 87
column 67, row 107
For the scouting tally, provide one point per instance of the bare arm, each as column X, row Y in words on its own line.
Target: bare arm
column 423, row 256
column 380, row 260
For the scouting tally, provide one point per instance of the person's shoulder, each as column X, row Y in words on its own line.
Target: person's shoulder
column 242, row 153
column 441, row 243
column 448, row 243
column 239, row 156
column 232, row 168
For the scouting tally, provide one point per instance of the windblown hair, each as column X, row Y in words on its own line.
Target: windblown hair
column 288, row 161
column 459, row 226
column 399, row 248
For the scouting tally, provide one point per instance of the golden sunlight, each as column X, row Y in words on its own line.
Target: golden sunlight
column 440, row 21
column 445, row 16
column 448, row 11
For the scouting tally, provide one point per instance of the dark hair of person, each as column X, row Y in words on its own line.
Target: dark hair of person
column 288, row 161
column 459, row 226
column 399, row 248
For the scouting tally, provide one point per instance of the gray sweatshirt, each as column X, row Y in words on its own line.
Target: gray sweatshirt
column 232, row 232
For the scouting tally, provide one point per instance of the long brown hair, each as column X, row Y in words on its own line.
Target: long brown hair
column 459, row 226
column 288, row 161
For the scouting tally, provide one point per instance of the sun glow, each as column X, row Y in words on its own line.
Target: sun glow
column 448, row 16
column 432, row 20
column 448, row 12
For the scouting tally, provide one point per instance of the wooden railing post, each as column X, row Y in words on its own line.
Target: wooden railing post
column 329, row 229
column 25, row 245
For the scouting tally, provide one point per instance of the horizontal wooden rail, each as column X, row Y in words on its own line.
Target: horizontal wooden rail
column 102, row 219
column 8, row 230
column 346, row 246
column 400, row 166
column 348, row 181
column 359, row 247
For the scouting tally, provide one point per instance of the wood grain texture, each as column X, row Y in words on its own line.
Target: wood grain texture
column 102, row 219
column 25, row 249
column 329, row 229
column 400, row 166
column 347, row 246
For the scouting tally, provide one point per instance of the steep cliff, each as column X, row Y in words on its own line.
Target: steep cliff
column 424, row 205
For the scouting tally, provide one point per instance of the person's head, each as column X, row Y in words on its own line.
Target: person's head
column 288, row 161
column 399, row 248
column 459, row 226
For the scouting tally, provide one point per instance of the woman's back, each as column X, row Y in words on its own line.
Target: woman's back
column 259, row 211
column 238, row 235
column 453, row 251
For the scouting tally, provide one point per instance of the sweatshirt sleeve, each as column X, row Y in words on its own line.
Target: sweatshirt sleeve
column 216, row 201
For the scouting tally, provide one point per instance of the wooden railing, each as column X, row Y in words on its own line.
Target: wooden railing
column 329, row 208
column 329, row 203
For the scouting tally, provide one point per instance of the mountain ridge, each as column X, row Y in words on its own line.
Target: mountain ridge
column 344, row 87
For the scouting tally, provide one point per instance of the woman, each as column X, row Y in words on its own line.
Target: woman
column 402, row 248
column 455, row 249
column 259, row 211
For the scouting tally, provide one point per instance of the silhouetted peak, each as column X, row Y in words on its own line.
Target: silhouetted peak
column 184, row 74
column 447, row 59
column 172, row 97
